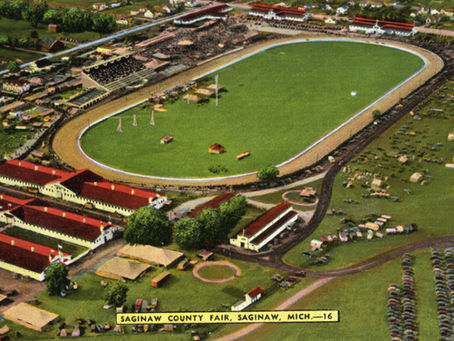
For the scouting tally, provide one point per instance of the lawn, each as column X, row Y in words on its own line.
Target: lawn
column 216, row 272
column 41, row 239
column 10, row 140
column 22, row 57
column 276, row 197
column 362, row 301
column 428, row 204
column 182, row 292
column 268, row 109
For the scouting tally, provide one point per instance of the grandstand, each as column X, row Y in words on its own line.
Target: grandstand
column 380, row 26
column 279, row 13
column 213, row 13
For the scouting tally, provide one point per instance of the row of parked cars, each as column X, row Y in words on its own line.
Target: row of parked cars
column 402, row 304
column 443, row 269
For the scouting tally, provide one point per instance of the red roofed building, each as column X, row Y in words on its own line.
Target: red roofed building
column 277, row 12
column 213, row 203
column 265, row 228
column 63, row 225
column 213, row 13
column 80, row 187
column 381, row 26
column 251, row 297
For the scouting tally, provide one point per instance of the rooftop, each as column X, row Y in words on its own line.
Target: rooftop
column 213, row 203
column 265, row 219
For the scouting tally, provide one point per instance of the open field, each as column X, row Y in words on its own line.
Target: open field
column 65, row 141
column 362, row 301
column 9, row 54
column 429, row 204
column 11, row 140
column 268, row 109
column 175, row 295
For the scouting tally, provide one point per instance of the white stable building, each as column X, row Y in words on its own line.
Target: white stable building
column 265, row 228
column 279, row 13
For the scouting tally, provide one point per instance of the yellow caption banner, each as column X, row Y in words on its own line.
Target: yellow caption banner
column 231, row 317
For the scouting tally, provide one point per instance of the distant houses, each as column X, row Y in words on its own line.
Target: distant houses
column 265, row 228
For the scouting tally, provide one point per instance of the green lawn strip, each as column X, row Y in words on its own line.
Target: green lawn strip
column 10, row 140
column 271, row 100
column 42, row 239
column 23, row 29
column 216, row 272
column 362, row 301
column 276, row 197
column 182, row 292
column 10, row 54
column 427, row 205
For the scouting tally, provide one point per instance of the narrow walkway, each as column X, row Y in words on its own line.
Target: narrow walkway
column 281, row 188
column 284, row 305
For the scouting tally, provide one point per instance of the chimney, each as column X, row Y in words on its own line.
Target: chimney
column 96, row 183
column 101, row 228
column 32, row 249
column 132, row 191
column 63, row 214
column 20, row 163
column 1, row 196
column 112, row 187
column 45, row 209
column 12, row 242
column 36, row 168
column 53, row 171
column 84, row 220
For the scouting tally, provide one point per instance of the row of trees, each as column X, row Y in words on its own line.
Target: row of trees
column 37, row 11
column 210, row 226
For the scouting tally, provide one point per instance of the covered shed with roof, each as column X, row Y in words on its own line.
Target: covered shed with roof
column 151, row 254
column 265, row 228
column 30, row 316
column 122, row 269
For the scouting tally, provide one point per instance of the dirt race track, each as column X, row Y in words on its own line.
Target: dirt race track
column 65, row 140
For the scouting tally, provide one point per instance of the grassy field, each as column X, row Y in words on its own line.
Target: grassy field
column 268, row 109
column 11, row 140
column 428, row 204
column 216, row 272
column 72, row 249
column 177, row 294
column 8, row 54
column 362, row 301
column 276, row 197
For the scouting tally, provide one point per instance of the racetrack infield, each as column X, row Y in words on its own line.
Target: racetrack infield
column 65, row 140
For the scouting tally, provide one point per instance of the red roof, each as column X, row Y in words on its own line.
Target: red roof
column 265, row 219
column 269, row 231
column 23, row 258
column 8, row 202
column 30, row 246
column 255, row 292
column 367, row 21
column 61, row 221
column 213, row 203
column 30, row 172
column 259, row 7
column 213, row 10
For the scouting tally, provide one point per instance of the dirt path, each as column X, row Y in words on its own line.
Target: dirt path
column 65, row 140
column 284, row 305
column 236, row 271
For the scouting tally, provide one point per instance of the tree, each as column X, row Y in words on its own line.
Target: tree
column 211, row 224
column 376, row 114
column 231, row 211
column 34, row 12
column 13, row 66
column 188, row 233
column 148, row 226
column 116, row 294
column 56, row 276
column 103, row 23
column 52, row 16
column 268, row 173
column 76, row 21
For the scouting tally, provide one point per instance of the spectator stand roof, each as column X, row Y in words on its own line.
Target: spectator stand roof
column 30, row 172
column 368, row 21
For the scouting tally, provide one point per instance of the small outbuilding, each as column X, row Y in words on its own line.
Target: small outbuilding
column 216, row 149
column 160, row 279
column 416, row 177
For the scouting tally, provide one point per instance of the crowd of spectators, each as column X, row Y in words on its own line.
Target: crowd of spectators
column 115, row 69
